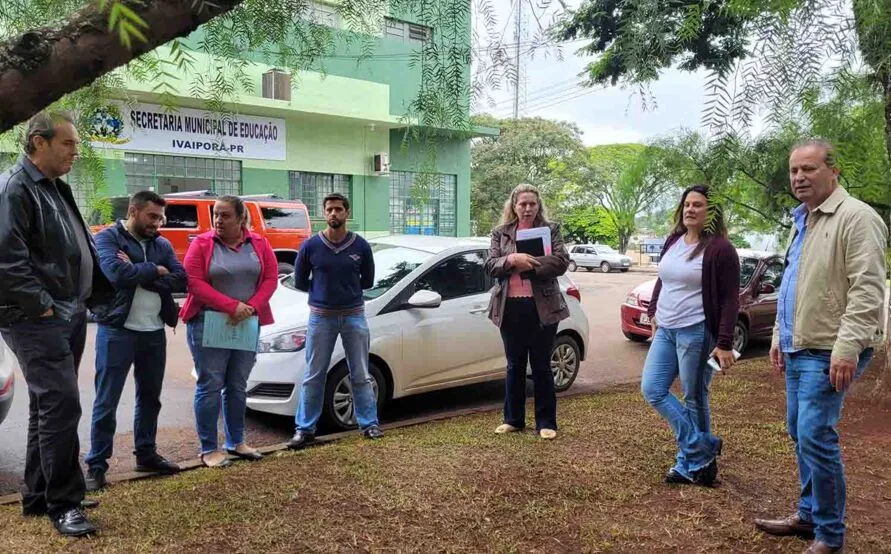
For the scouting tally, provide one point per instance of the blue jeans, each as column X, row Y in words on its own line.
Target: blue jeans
column 222, row 380
column 117, row 350
column 813, row 409
column 321, row 336
column 683, row 352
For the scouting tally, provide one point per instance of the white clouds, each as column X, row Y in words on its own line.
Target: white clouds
column 613, row 114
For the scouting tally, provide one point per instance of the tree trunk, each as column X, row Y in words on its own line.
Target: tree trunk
column 42, row 65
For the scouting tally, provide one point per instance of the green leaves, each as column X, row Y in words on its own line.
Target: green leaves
column 124, row 21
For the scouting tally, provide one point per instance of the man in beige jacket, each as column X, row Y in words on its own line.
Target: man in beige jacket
column 829, row 318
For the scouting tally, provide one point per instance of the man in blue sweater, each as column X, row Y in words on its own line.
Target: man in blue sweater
column 145, row 273
column 334, row 267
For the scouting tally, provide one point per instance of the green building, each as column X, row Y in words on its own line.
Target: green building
column 330, row 133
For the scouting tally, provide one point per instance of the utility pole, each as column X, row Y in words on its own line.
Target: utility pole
column 519, row 32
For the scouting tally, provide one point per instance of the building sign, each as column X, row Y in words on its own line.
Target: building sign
column 188, row 132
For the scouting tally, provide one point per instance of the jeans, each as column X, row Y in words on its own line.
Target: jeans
column 222, row 380
column 116, row 350
column 813, row 409
column 527, row 341
column 683, row 352
column 49, row 351
column 321, row 336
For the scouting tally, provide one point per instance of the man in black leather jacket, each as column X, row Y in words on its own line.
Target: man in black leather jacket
column 49, row 275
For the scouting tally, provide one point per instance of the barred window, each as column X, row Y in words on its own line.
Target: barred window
column 415, row 216
column 311, row 188
column 170, row 174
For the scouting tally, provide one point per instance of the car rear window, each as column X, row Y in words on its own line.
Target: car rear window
column 285, row 218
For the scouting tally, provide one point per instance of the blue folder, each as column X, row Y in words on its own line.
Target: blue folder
column 219, row 334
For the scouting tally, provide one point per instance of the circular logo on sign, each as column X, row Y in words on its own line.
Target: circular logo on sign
column 107, row 126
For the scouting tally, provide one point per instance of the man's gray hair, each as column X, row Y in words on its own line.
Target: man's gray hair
column 44, row 125
column 829, row 155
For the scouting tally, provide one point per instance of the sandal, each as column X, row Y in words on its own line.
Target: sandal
column 225, row 462
column 246, row 452
column 506, row 428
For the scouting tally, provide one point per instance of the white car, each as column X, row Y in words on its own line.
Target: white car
column 427, row 313
column 591, row 256
column 7, row 379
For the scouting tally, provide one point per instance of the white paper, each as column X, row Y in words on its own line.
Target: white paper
column 544, row 233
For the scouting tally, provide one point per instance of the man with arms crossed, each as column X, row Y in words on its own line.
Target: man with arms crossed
column 334, row 267
column 829, row 318
column 145, row 273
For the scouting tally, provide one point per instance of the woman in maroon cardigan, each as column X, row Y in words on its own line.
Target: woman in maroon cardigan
column 693, row 309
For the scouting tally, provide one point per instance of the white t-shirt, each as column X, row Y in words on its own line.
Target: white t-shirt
column 145, row 311
column 680, row 300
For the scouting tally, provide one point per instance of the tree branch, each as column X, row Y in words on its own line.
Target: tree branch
column 754, row 209
column 42, row 65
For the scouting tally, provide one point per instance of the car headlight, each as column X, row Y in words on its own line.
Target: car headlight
column 287, row 341
column 631, row 300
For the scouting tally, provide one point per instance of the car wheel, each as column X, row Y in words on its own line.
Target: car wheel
column 565, row 360
column 740, row 337
column 285, row 269
column 605, row 267
column 634, row 337
column 339, row 410
column 572, row 266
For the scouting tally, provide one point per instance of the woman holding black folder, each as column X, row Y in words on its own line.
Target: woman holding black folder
column 527, row 305
column 232, row 275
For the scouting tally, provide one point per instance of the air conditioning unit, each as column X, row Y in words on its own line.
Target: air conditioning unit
column 382, row 163
column 277, row 85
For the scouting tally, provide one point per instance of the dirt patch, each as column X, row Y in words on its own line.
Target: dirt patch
column 454, row 486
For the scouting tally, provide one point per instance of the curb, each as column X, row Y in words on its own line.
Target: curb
column 195, row 463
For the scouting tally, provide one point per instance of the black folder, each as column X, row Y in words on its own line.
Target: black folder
column 534, row 247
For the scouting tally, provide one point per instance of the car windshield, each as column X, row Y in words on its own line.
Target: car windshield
column 747, row 267
column 391, row 265
column 603, row 249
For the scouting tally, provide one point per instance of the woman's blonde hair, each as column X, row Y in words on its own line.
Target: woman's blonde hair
column 509, row 215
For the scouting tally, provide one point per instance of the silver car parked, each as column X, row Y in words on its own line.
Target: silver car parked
column 7, row 379
column 600, row 256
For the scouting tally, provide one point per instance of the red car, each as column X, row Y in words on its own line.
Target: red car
column 759, row 283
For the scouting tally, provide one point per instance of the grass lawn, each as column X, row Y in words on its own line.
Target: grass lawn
column 454, row 486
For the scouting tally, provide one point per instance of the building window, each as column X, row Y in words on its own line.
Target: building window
column 171, row 174
column 323, row 14
column 405, row 31
column 414, row 216
column 311, row 188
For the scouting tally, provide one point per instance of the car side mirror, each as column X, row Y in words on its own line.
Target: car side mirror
column 766, row 288
column 424, row 299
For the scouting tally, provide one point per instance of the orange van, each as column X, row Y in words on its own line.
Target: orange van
column 285, row 223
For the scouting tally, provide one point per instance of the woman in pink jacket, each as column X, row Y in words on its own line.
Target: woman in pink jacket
column 234, row 272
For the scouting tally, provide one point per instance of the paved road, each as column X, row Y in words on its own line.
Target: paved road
column 611, row 359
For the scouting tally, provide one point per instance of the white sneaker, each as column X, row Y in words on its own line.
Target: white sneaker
column 547, row 434
column 505, row 428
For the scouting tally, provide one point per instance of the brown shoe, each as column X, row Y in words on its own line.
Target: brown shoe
column 792, row 525
column 819, row 547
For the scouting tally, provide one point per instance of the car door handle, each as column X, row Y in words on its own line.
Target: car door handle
column 192, row 237
column 479, row 310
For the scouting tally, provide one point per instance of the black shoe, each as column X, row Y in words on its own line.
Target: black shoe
column 673, row 477
column 373, row 432
column 89, row 503
column 300, row 439
column 250, row 456
column 73, row 523
column 96, row 479
column 156, row 463
column 706, row 476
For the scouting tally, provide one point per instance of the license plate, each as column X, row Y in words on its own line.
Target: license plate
column 644, row 319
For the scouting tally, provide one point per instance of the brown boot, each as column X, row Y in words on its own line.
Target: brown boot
column 819, row 547
column 792, row 525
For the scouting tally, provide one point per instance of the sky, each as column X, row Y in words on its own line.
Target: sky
column 551, row 90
